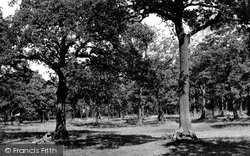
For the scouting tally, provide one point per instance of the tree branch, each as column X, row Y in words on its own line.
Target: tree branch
column 202, row 5
column 71, row 43
column 82, row 45
column 207, row 24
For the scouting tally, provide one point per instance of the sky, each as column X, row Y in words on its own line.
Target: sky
column 7, row 10
column 152, row 20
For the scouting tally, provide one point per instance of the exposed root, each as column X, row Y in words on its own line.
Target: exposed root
column 47, row 138
column 139, row 124
column 180, row 135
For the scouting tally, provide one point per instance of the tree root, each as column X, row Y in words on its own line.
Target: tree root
column 180, row 136
column 139, row 124
column 47, row 138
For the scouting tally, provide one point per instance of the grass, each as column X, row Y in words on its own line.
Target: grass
column 121, row 137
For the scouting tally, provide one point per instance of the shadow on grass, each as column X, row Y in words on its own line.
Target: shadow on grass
column 22, row 136
column 219, row 118
column 225, row 125
column 81, row 139
column 209, row 120
column 110, row 124
column 106, row 141
column 210, row 147
column 100, row 125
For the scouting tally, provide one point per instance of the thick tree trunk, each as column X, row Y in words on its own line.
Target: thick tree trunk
column 185, row 120
column 62, row 91
column 203, row 109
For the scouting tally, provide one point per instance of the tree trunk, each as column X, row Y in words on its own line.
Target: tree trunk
column 113, row 112
column 203, row 109
column 248, row 104
column 74, row 108
column 222, row 106
column 87, row 112
column 6, row 117
column 49, row 116
column 121, row 114
column 235, row 113
column 185, row 120
column 81, row 112
column 109, row 112
column 62, row 91
column 42, row 113
column 240, row 109
column 213, row 115
column 12, row 118
column 98, row 117
column 143, row 112
column 226, row 103
column 139, row 116
column 160, row 113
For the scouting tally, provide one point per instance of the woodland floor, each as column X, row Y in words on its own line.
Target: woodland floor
column 117, row 137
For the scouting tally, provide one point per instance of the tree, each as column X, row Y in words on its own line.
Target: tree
column 137, row 63
column 41, row 96
column 163, row 57
column 14, row 73
column 219, row 64
column 57, row 32
column 198, row 16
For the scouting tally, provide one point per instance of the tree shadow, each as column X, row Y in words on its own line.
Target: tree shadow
column 210, row 147
column 100, row 125
column 106, row 141
column 25, row 136
column 81, row 139
column 219, row 118
column 22, row 136
column 172, row 118
column 232, row 124
column 131, row 122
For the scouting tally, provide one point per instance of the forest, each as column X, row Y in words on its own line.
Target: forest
column 108, row 63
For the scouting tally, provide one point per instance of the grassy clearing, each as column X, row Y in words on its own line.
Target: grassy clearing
column 121, row 137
